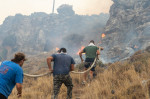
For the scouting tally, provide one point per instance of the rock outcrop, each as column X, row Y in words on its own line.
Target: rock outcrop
column 127, row 30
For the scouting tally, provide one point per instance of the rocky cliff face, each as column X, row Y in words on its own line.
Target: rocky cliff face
column 41, row 32
column 22, row 33
column 127, row 30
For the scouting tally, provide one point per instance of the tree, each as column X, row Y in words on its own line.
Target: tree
column 65, row 10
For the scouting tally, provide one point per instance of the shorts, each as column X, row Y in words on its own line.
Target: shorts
column 89, row 62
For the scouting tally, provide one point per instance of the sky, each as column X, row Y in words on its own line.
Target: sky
column 26, row 7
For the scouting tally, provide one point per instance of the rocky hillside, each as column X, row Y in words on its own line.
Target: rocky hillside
column 41, row 32
column 127, row 30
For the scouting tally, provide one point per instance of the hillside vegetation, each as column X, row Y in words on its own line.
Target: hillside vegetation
column 128, row 79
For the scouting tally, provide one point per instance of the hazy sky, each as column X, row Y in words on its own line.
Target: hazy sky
column 26, row 7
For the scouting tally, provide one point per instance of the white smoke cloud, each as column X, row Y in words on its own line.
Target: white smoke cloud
column 92, row 6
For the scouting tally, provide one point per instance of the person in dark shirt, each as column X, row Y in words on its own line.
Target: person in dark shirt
column 11, row 74
column 63, row 64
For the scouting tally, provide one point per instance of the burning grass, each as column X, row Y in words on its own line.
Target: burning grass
column 120, row 80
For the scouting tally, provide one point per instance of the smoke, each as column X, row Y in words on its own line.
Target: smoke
column 69, row 30
column 92, row 6
column 72, row 42
column 41, row 32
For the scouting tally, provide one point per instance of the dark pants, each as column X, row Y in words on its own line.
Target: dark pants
column 58, row 81
column 2, row 96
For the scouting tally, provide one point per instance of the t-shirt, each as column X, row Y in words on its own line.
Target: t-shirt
column 10, row 74
column 62, row 63
column 90, row 51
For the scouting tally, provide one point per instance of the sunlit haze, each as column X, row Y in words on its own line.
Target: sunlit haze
column 26, row 7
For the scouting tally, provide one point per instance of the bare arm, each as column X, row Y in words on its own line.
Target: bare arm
column 98, row 52
column 80, row 54
column 72, row 67
column 19, row 89
column 101, row 48
column 49, row 60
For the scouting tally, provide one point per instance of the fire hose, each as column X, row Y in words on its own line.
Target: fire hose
column 75, row 72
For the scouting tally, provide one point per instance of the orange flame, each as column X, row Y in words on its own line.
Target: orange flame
column 57, row 48
column 82, row 47
column 103, row 35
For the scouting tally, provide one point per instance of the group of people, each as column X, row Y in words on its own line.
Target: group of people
column 11, row 73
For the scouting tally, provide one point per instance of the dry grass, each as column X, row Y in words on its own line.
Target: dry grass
column 121, row 80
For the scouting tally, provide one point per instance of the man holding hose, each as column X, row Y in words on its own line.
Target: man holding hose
column 63, row 64
column 91, row 51
column 11, row 74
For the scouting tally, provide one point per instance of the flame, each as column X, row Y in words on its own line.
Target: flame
column 57, row 48
column 103, row 35
column 82, row 47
